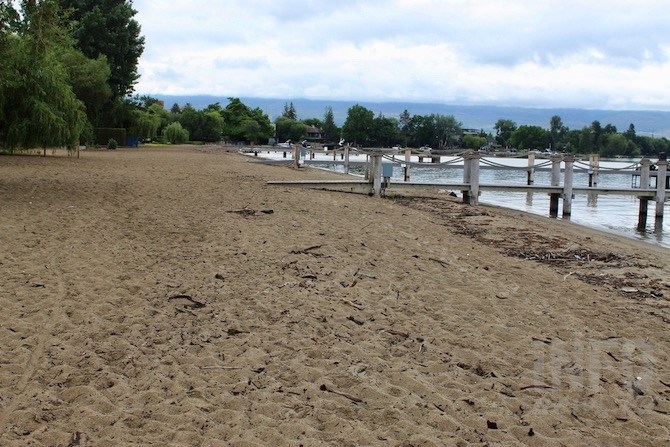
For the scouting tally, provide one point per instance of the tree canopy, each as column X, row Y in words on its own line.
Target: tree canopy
column 38, row 107
column 107, row 28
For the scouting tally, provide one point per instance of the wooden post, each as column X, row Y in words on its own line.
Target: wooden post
column 376, row 171
column 662, row 165
column 367, row 167
column 555, row 180
column 567, row 185
column 471, row 177
column 296, row 156
column 645, row 164
column 346, row 159
column 531, row 169
column 408, row 158
column 594, row 167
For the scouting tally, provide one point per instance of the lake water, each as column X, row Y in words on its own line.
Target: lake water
column 615, row 214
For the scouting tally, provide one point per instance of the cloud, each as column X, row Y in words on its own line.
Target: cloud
column 542, row 52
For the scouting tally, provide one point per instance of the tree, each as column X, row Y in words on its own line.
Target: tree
column 556, row 131
column 202, row 125
column 37, row 105
column 504, row 129
column 529, row 137
column 358, row 125
column 108, row 28
column 447, row 129
column 329, row 130
column 234, row 116
column 597, row 135
column 290, row 112
column 474, row 141
column 289, row 129
column 385, row 131
column 89, row 79
column 176, row 134
column 586, row 145
column 404, row 123
column 630, row 133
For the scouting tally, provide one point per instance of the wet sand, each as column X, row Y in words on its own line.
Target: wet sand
column 168, row 296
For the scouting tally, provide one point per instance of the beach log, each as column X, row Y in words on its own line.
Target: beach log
column 555, row 180
column 662, row 165
column 567, row 185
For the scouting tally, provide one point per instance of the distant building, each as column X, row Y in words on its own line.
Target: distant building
column 314, row 134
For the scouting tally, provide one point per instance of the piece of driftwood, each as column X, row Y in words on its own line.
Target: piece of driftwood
column 339, row 393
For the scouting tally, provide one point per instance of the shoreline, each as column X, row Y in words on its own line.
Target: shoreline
column 169, row 296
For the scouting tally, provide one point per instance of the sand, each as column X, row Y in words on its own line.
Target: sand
column 169, row 297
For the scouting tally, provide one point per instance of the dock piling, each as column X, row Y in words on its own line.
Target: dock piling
column 555, row 180
column 662, row 166
column 567, row 185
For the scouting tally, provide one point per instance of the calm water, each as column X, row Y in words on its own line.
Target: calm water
column 615, row 214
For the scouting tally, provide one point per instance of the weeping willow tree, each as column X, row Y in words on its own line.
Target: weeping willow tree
column 38, row 107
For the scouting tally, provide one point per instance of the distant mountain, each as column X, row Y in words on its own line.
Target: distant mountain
column 651, row 123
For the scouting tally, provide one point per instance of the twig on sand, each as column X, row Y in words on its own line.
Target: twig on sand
column 220, row 367
column 304, row 251
column 539, row 386
column 339, row 393
column 394, row 332
column 352, row 304
column 444, row 264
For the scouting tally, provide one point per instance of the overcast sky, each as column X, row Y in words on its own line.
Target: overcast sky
column 612, row 54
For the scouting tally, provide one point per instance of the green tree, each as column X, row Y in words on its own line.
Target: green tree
column 424, row 131
column 290, row 112
column 89, row 79
column 108, row 27
column 37, row 105
column 406, row 131
column 385, row 131
column 329, row 129
column 529, row 137
column 447, row 129
column 586, row 143
column 556, row 131
column 358, row 125
column 474, row 141
column 289, row 129
column 202, row 125
column 176, row 134
column 504, row 129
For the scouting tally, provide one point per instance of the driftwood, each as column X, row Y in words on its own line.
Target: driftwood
column 339, row 393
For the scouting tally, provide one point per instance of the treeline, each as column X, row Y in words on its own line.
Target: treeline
column 596, row 138
column 68, row 67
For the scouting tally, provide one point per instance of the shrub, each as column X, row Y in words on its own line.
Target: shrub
column 112, row 144
column 176, row 134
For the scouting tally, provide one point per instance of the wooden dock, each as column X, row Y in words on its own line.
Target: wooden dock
column 378, row 181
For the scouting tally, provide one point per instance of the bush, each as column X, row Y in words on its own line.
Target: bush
column 176, row 134
column 112, row 144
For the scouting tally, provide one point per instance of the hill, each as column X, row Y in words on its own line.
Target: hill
column 646, row 122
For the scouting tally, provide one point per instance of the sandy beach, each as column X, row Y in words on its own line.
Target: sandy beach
column 169, row 297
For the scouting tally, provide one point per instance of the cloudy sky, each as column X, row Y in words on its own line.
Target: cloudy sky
column 612, row 54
